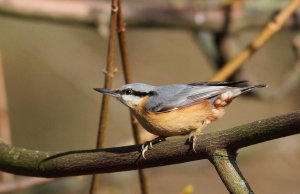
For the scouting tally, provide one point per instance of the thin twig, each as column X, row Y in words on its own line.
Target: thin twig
column 109, row 74
column 225, row 163
column 123, row 45
column 28, row 182
column 128, row 79
column 268, row 32
column 172, row 151
column 4, row 119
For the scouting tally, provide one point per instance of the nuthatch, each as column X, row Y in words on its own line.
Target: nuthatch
column 177, row 109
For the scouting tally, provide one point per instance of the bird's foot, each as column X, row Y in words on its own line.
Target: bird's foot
column 149, row 144
column 145, row 147
column 193, row 138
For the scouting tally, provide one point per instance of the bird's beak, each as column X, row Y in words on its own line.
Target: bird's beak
column 107, row 91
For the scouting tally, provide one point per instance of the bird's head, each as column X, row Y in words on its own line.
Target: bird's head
column 131, row 94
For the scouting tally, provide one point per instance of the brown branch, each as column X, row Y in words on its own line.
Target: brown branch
column 135, row 14
column 109, row 74
column 172, row 151
column 123, row 45
column 267, row 33
column 128, row 79
column 225, row 163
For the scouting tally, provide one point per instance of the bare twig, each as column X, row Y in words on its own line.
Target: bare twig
column 225, row 164
column 172, row 151
column 16, row 185
column 4, row 119
column 128, row 79
column 268, row 32
column 109, row 74
column 123, row 45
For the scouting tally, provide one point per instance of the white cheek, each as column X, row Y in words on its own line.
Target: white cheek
column 131, row 101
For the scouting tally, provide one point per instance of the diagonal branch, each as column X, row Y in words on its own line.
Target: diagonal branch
column 173, row 151
column 226, row 166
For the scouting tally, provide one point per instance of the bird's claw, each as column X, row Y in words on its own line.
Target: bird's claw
column 144, row 149
column 149, row 144
column 192, row 139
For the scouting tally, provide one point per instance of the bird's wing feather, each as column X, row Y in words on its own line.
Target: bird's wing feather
column 177, row 96
column 233, row 83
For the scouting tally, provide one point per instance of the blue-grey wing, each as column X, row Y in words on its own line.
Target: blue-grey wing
column 171, row 97
column 233, row 83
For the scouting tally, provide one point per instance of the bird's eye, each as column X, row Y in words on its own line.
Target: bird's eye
column 128, row 91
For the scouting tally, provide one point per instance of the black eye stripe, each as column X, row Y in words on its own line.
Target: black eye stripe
column 137, row 93
column 130, row 91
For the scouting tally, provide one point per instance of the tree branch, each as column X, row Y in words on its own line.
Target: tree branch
column 227, row 168
column 172, row 151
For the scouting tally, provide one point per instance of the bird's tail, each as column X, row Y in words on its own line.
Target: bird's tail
column 240, row 90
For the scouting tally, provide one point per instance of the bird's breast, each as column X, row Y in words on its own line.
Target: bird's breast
column 176, row 122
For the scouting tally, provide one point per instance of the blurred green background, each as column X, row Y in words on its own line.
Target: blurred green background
column 51, row 69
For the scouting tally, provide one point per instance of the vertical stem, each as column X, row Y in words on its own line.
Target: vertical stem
column 4, row 119
column 109, row 74
column 225, row 163
column 128, row 79
column 123, row 45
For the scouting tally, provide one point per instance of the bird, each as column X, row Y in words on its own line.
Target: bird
column 178, row 109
